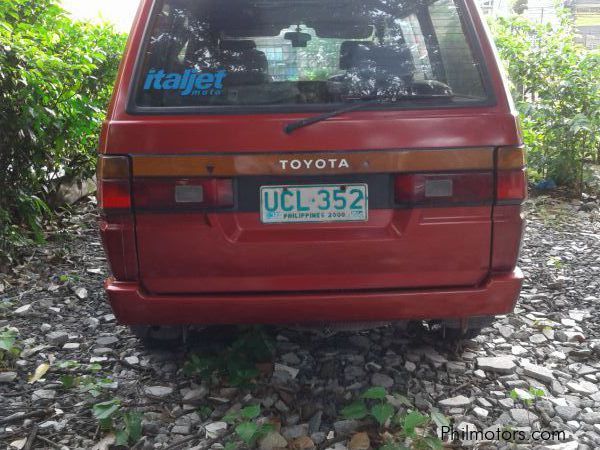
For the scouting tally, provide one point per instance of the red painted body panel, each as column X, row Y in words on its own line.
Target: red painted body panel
column 229, row 252
column 184, row 268
column 496, row 296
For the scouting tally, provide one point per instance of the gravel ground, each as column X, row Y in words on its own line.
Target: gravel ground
column 551, row 342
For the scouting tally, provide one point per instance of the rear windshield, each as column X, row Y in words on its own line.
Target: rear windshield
column 207, row 53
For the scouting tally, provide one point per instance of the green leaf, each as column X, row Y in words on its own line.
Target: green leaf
column 122, row 438
column 106, row 424
column 133, row 426
column 250, row 412
column 231, row 446
column 95, row 367
column 356, row 410
column 393, row 446
column 433, row 442
column 246, row 431
column 439, row 419
column 68, row 381
column 413, row 420
column 69, row 364
column 536, row 392
column 375, row 393
column 204, row 412
column 382, row 412
column 403, row 400
column 7, row 340
column 231, row 417
column 106, row 410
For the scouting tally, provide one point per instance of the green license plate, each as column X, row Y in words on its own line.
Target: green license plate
column 314, row 203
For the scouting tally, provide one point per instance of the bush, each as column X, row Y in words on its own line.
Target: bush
column 56, row 77
column 555, row 85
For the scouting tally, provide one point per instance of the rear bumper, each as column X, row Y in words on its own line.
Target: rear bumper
column 132, row 306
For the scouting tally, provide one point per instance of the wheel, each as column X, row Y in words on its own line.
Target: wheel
column 456, row 334
column 158, row 337
column 456, row 330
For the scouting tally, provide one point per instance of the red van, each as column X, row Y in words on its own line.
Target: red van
column 298, row 161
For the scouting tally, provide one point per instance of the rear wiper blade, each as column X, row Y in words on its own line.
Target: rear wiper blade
column 357, row 103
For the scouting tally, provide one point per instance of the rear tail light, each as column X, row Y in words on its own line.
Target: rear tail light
column 183, row 193
column 439, row 189
column 114, row 189
column 511, row 183
column 436, row 189
column 117, row 225
column 511, row 191
column 114, row 195
column 511, row 186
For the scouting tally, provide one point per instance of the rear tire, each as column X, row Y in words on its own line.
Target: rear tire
column 158, row 337
column 452, row 330
column 455, row 334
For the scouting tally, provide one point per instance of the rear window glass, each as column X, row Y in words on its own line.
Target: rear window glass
column 202, row 53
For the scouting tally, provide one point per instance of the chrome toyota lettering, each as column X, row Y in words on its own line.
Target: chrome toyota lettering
column 319, row 164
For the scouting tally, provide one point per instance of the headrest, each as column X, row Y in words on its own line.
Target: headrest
column 238, row 46
column 350, row 50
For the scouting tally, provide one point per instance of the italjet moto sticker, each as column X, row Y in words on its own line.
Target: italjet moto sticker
column 190, row 82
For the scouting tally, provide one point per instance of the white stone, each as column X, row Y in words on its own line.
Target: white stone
column 158, row 391
column 578, row 315
column 484, row 402
column 81, row 293
column 42, row 395
column 499, row 364
column 273, row 441
column 71, row 346
column 57, row 337
column 567, row 412
column 518, row 350
column 523, row 417
column 480, row 412
column 382, row 380
column 7, row 377
column 292, row 371
column 538, row 372
column 195, row 395
column 459, row 401
column 583, row 387
column 23, row 310
column 98, row 359
column 214, row 429
column 470, row 430
column 523, row 394
column 537, row 338
column 133, row 360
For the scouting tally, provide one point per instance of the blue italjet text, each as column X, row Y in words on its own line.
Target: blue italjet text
column 191, row 82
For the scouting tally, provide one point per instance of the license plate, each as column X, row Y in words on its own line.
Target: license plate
column 314, row 203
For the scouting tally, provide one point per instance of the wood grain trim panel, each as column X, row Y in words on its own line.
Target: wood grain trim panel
column 320, row 163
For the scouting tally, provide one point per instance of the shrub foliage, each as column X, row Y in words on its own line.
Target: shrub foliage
column 555, row 83
column 56, row 77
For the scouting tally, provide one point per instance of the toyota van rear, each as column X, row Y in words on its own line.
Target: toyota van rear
column 310, row 161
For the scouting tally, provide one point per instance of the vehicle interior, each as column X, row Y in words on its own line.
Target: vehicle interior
column 314, row 52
